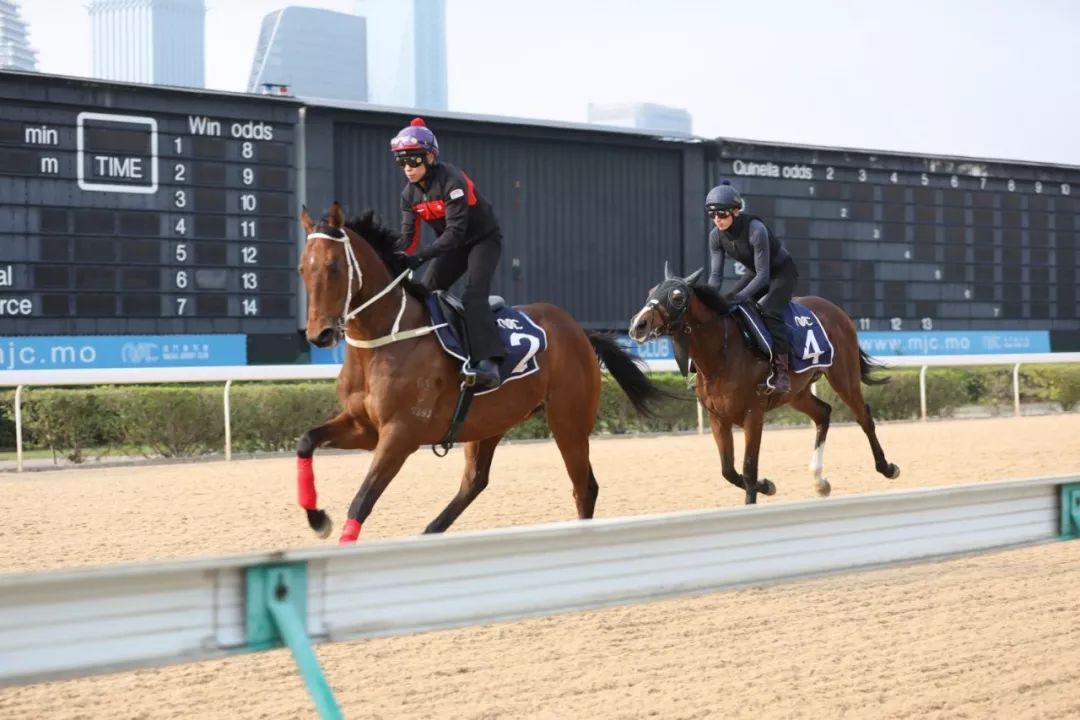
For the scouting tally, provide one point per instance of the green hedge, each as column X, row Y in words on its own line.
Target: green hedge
column 187, row 420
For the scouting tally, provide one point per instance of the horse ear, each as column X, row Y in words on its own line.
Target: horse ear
column 336, row 216
column 692, row 277
column 667, row 271
column 306, row 221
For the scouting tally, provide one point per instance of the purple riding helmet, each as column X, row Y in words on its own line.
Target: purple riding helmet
column 416, row 138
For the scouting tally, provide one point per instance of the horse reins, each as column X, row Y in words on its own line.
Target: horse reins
column 346, row 314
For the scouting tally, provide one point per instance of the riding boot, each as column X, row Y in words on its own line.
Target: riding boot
column 487, row 375
column 781, row 380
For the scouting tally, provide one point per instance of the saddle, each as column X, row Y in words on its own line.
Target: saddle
column 521, row 338
column 811, row 347
column 453, row 312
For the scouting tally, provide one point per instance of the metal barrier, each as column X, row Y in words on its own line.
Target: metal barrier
column 70, row 623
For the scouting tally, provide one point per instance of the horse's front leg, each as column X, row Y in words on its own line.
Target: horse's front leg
column 752, row 427
column 393, row 448
column 721, row 432
column 342, row 432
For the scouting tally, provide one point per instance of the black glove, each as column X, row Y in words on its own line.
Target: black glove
column 730, row 299
column 410, row 261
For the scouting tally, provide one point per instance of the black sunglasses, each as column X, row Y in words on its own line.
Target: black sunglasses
column 410, row 160
column 720, row 213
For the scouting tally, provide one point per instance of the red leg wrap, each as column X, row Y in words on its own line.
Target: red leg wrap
column 350, row 532
column 305, row 483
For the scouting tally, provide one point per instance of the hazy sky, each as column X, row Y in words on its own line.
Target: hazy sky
column 955, row 77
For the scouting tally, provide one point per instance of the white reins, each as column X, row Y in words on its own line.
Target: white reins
column 354, row 269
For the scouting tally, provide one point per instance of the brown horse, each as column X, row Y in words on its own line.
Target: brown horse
column 398, row 389
column 700, row 323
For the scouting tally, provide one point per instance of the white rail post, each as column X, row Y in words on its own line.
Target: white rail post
column 228, row 422
column 922, row 390
column 1016, row 389
column 700, row 418
column 18, row 428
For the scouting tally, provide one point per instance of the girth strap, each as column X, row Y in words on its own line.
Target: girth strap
column 468, row 390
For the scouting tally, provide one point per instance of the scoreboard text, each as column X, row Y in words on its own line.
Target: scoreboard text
column 147, row 212
column 907, row 243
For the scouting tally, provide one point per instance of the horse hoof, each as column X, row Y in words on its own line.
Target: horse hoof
column 321, row 523
column 767, row 487
column 824, row 488
column 893, row 473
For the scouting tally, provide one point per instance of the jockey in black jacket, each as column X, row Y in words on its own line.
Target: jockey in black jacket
column 469, row 240
column 771, row 276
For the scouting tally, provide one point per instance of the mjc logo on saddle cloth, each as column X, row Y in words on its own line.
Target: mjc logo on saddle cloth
column 810, row 345
column 522, row 339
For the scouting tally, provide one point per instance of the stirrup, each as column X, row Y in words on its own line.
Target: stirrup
column 766, row 387
column 471, row 378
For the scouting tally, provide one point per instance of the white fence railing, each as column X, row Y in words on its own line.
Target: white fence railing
column 61, row 624
column 229, row 374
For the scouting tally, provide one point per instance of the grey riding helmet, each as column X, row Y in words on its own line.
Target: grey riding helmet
column 723, row 197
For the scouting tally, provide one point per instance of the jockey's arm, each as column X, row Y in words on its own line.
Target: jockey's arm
column 410, row 228
column 759, row 279
column 716, row 260
column 457, row 221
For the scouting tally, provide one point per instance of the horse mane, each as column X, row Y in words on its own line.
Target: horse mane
column 384, row 242
column 712, row 298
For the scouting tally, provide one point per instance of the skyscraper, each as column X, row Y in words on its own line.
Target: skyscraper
column 406, row 52
column 15, row 50
column 644, row 116
column 316, row 53
column 161, row 42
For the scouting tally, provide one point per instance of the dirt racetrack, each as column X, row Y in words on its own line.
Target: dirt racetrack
column 981, row 637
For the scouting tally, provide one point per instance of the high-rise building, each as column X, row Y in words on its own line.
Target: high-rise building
column 15, row 50
column 315, row 53
column 160, row 42
column 644, row 116
column 406, row 52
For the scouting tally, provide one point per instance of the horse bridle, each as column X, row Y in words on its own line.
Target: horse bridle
column 354, row 269
column 673, row 322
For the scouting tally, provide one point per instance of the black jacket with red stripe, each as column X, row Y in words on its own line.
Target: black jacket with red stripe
column 453, row 208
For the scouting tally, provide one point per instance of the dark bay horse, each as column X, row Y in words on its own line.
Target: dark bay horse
column 398, row 389
column 729, row 371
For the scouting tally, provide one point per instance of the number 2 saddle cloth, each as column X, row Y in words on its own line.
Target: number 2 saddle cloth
column 522, row 339
column 810, row 345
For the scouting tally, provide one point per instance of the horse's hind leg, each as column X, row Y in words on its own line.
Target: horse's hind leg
column 570, row 426
column 850, row 391
column 819, row 411
column 574, row 448
column 478, row 456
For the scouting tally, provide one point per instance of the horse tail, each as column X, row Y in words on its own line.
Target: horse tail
column 626, row 369
column 868, row 365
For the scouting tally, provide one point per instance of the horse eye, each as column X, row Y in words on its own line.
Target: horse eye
column 678, row 297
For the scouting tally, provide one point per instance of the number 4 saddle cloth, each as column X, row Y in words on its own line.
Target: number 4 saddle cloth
column 810, row 345
column 522, row 339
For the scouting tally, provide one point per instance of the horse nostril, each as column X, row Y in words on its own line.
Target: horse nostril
column 325, row 337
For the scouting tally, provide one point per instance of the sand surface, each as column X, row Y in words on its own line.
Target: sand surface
column 991, row 636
